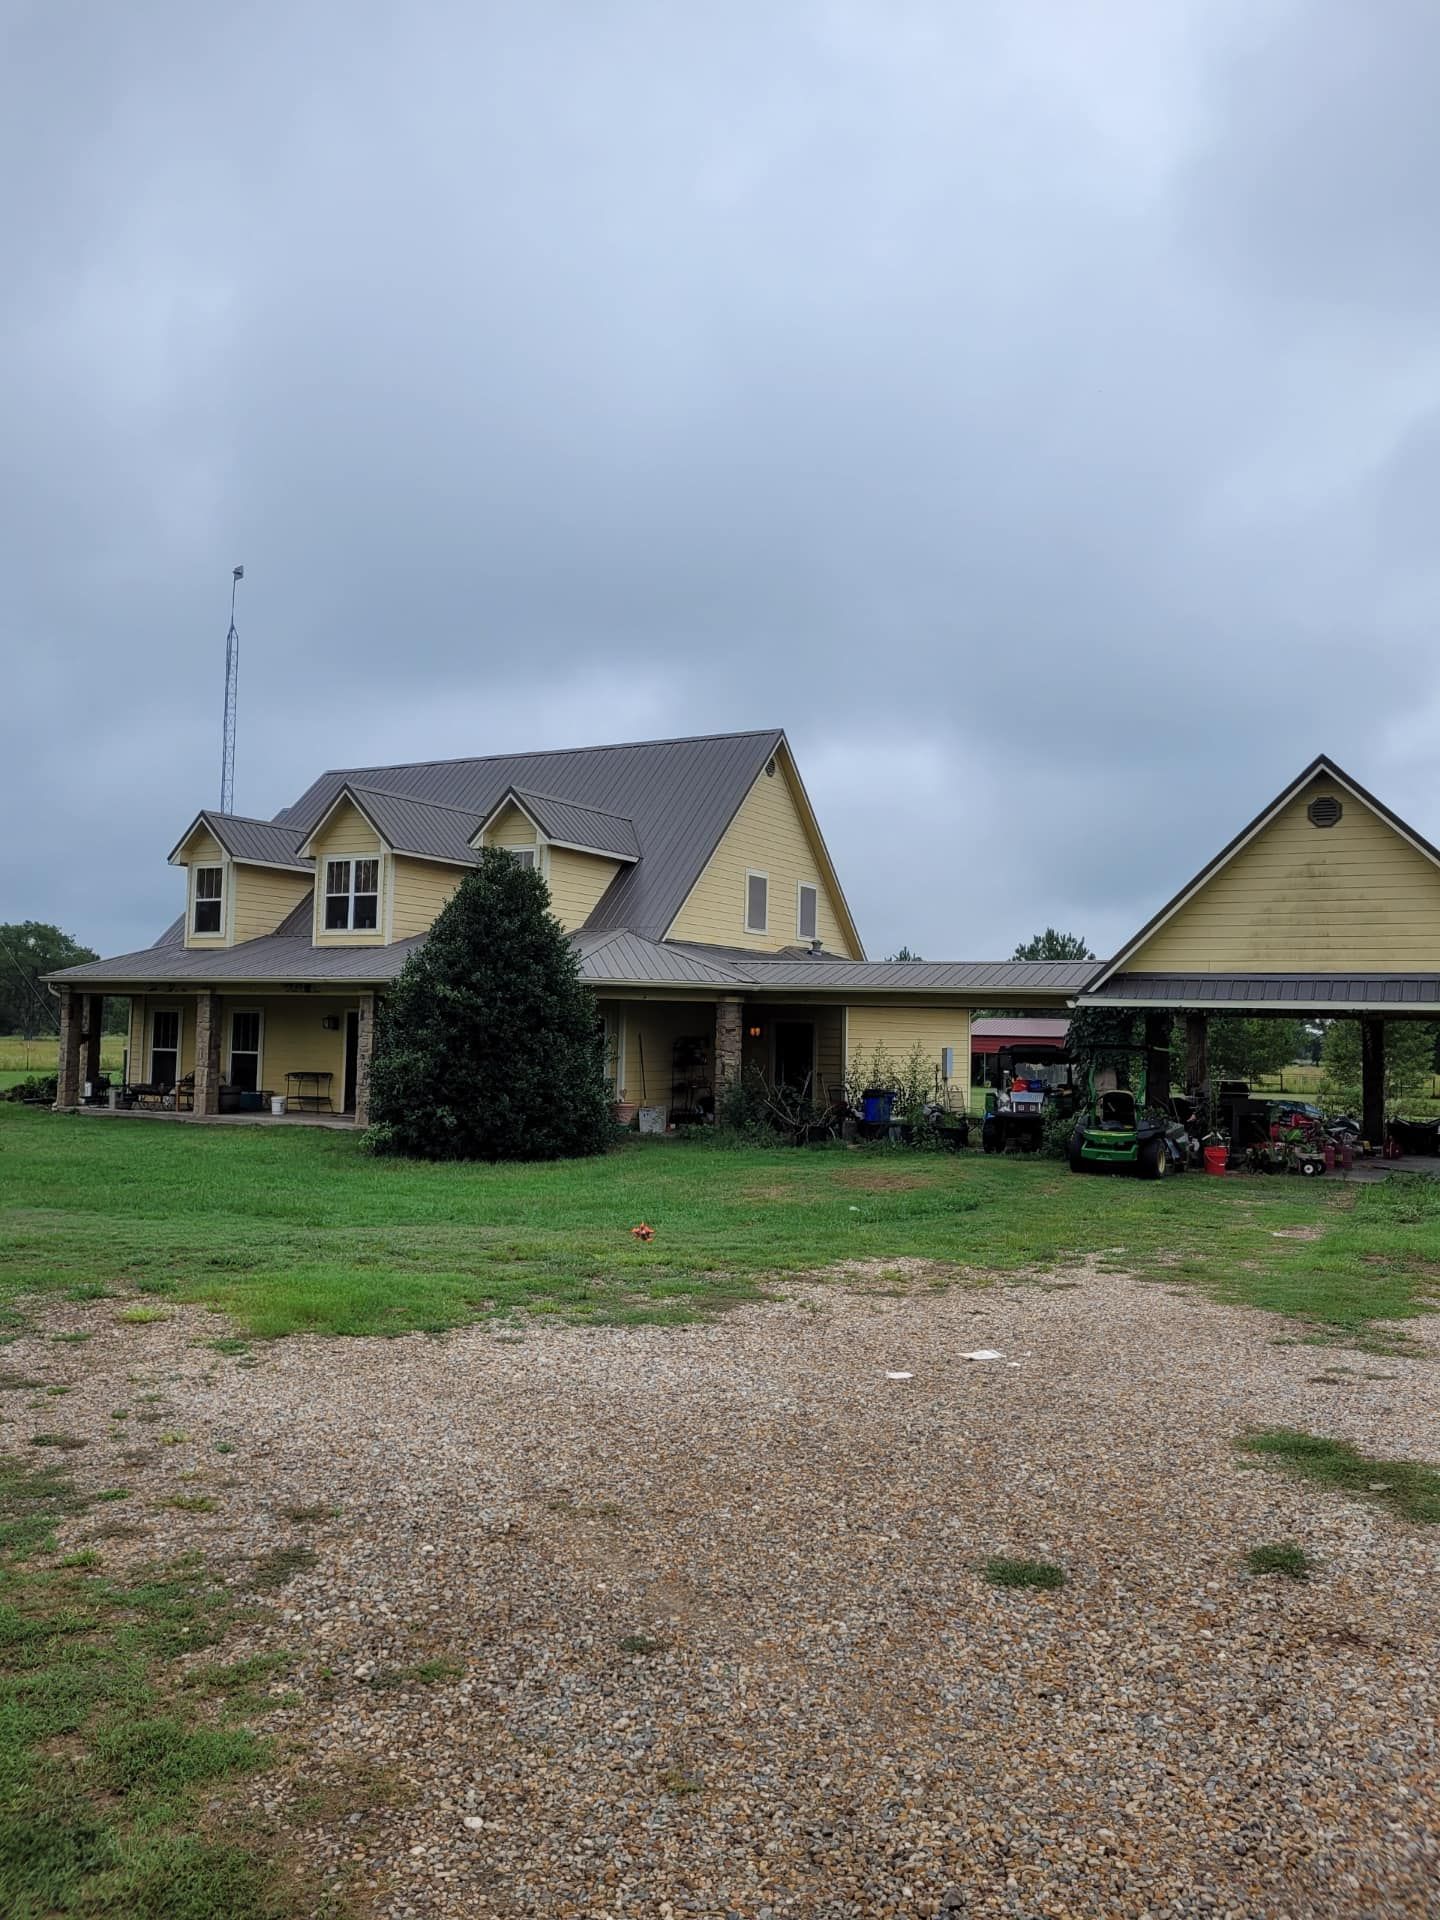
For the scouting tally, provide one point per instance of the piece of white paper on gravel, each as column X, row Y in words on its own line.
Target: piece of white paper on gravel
column 983, row 1353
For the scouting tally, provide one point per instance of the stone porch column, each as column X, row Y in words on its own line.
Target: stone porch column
column 729, row 1012
column 94, row 1019
column 67, row 1084
column 1372, row 1080
column 208, row 1021
column 364, row 1053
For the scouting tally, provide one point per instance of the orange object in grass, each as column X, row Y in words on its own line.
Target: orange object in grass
column 643, row 1232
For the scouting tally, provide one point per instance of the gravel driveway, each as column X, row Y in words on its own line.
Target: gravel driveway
column 699, row 1626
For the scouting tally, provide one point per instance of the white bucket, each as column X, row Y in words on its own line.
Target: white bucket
column 277, row 1104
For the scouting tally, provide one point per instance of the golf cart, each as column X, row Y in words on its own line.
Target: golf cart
column 1118, row 1135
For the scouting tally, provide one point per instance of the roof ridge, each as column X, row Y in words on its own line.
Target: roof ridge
column 246, row 819
column 541, row 753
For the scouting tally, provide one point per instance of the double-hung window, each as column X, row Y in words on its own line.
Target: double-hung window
column 209, row 900
column 352, row 895
column 525, row 855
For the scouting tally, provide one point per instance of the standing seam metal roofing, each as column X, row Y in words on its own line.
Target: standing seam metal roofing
column 680, row 794
column 424, row 827
column 1297, row 991
column 246, row 839
column 580, row 826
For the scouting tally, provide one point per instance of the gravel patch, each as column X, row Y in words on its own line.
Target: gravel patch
column 694, row 1622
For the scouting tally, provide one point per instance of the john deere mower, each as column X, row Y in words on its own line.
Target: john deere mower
column 1114, row 1136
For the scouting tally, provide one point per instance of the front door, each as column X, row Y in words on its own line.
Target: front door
column 352, row 1059
column 795, row 1055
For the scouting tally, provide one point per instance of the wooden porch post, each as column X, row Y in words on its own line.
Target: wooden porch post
column 1372, row 1080
column 1157, row 1059
column 67, row 1083
column 94, row 1019
column 364, row 1052
column 729, row 1010
column 207, row 1053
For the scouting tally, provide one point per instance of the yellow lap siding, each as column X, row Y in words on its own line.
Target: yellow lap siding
column 1300, row 898
column 576, row 882
column 651, row 1029
column 768, row 835
column 899, row 1029
column 418, row 890
column 262, row 898
column 202, row 849
column 294, row 1037
column 512, row 828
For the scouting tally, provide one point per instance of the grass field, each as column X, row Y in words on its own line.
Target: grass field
column 294, row 1229
column 21, row 1058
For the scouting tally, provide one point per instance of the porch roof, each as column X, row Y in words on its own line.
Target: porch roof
column 284, row 958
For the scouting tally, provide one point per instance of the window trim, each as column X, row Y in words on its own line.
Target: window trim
column 178, row 1009
column 222, row 901
column 754, row 873
column 802, row 887
column 349, row 893
column 259, row 1049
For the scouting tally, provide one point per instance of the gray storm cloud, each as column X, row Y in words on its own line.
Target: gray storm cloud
column 1011, row 401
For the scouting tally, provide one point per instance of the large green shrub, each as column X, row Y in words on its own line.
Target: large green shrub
column 489, row 1046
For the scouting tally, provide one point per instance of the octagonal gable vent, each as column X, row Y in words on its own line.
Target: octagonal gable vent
column 1324, row 810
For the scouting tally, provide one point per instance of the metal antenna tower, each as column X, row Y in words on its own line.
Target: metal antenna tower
column 232, row 689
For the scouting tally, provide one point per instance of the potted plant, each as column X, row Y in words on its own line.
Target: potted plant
column 623, row 1111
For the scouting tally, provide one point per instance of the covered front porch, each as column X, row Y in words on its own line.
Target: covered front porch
column 679, row 1054
column 213, row 1054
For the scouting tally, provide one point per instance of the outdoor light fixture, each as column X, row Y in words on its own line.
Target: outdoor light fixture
column 756, row 1032
column 331, row 1023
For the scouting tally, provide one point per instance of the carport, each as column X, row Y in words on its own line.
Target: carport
column 1326, row 905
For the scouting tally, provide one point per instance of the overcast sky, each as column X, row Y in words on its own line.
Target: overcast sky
column 1034, row 408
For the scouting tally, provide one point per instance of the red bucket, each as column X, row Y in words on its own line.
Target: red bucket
column 1215, row 1158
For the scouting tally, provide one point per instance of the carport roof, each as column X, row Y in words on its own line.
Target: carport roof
column 1289, row 993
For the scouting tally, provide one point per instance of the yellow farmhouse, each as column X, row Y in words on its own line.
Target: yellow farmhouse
column 710, row 922
column 691, row 875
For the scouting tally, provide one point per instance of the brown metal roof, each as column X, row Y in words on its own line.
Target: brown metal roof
column 1292, row 993
column 584, row 827
column 281, row 959
column 261, row 842
column 679, row 795
column 421, row 827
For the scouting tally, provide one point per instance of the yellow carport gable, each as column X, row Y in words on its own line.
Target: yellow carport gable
column 1326, row 880
column 773, row 837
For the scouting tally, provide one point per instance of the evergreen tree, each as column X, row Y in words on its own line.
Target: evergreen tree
column 489, row 1046
column 1053, row 945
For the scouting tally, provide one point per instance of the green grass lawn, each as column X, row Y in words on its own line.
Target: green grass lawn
column 291, row 1229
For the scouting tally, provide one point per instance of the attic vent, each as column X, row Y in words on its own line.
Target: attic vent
column 1324, row 810
column 770, row 770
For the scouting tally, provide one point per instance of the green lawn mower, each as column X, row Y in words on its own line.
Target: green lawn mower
column 1115, row 1137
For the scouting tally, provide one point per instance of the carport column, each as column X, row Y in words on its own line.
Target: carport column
column 67, row 1084
column 1157, row 1059
column 729, row 1011
column 1372, row 1080
column 90, row 1053
column 207, row 1054
column 1197, row 1055
column 364, row 1051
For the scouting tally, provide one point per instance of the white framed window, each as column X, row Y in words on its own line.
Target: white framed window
column 247, row 1029
column 524, row 855
column 352, row 895
column 164, row 1046
column 757, row 903
column 207, row 915
column 807, row 911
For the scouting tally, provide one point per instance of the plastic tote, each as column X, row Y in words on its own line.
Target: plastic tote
column 875, row 1106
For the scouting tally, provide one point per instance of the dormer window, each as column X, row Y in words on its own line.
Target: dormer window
column 525, row 856
column 209, row 900
column 352, row 895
